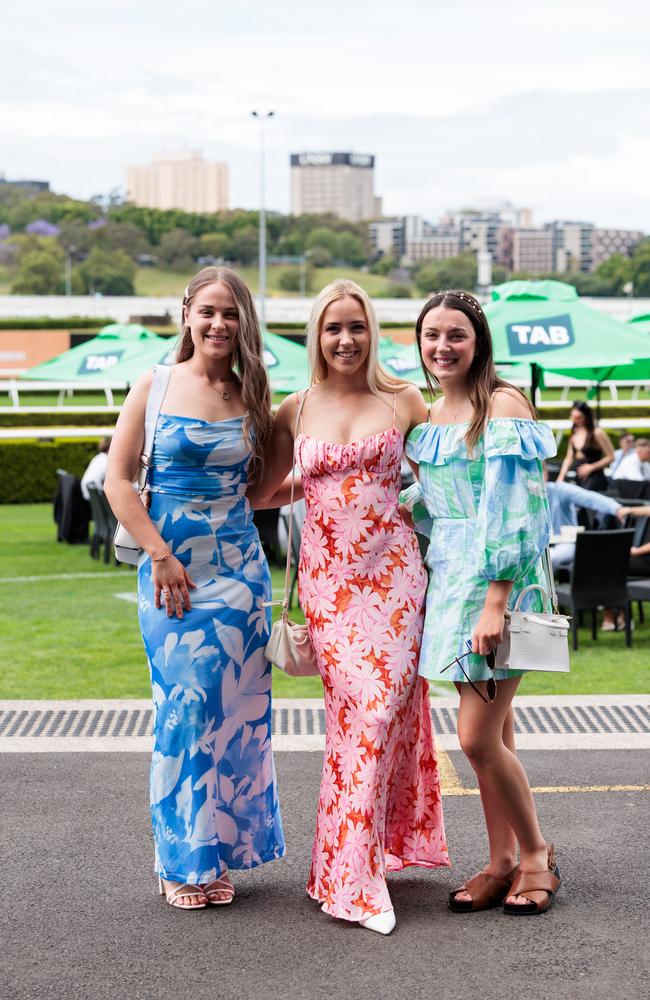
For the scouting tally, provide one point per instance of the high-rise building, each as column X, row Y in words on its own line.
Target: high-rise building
column 608, row 242
column 532, row 251
column 340, row 183
column 180, row 180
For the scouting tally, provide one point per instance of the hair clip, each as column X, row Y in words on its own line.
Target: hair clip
column 464, row 297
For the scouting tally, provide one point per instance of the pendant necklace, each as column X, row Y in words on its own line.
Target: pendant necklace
column 225, row 395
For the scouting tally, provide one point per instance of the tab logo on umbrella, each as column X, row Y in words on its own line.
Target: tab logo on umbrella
column 549, row 334
column 98, row 362
column 399, row 364
column 270, row 360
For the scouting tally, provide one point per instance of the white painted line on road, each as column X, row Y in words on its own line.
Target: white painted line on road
column 315, row 744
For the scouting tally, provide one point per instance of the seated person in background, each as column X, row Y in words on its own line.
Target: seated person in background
column 625, row 446
column 563, row 498
column 640, row 555
column 639, row 565
column 95, row 474
column 635, row 464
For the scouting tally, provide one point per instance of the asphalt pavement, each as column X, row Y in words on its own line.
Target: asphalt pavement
column 81, row 917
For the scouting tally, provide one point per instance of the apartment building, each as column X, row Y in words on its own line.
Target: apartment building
column 340, row 183
column 179, row 180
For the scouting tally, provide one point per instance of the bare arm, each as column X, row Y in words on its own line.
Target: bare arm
column 170, row 577
column 567, row 463
column 276, row 482
column 489, row 629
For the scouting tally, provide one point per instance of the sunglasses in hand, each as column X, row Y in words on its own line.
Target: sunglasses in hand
column 491, row 684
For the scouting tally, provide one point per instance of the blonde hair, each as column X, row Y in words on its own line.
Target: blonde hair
column 247, row 360
column 377, row 377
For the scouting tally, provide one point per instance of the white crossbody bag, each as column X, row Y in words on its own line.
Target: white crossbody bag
column 534, row 640
column 127, row 549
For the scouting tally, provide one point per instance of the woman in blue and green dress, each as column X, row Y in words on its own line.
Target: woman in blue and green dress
column 480, row 495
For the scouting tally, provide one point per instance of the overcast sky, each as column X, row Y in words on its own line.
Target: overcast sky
column 463, row 103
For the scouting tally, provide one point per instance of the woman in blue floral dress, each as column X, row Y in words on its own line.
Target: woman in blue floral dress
column 202, row 581
column 482, row 500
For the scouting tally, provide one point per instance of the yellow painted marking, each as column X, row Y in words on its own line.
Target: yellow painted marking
column 449, row 780
column 553, row 790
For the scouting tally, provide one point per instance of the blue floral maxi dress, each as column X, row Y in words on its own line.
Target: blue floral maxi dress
column 487, row 518
column 214, row 802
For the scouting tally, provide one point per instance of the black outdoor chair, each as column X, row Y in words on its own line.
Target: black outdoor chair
column 629, row 489
column 102, row 534
column 266, row 522
column 71, row 511
column 639, row 591
column 598, row 578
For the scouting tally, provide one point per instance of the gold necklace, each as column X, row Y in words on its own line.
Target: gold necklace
column 225, row 395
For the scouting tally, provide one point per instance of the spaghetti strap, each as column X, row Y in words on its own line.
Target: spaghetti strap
column 301, row 404
column 394, row 406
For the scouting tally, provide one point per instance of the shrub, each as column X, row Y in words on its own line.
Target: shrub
column 29, row 467
column 89, row 323
column 59, row 419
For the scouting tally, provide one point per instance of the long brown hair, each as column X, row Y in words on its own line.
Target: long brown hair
column 482, row 376
column 247, row 360
column 379, row 380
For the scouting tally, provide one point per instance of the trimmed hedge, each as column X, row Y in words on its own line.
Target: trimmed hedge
column 54, row 323
column 29, row 467
column 62, row 419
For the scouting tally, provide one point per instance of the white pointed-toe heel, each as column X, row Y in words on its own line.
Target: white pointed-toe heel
column 382, row 923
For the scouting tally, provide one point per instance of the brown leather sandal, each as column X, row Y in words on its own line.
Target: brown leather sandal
column 486, row 891
column 527, row 882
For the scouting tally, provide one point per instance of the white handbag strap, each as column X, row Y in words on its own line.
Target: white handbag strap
column 287, row 575
column 159, row 383
column 550, row 579
column 549, row 593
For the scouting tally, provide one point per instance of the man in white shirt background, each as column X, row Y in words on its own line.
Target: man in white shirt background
column 95, row 474
column 635, row 464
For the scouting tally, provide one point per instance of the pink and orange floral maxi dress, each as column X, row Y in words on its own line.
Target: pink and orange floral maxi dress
column 362, row 586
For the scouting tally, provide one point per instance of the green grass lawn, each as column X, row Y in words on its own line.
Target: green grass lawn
column 158, row 281
column 67, row 635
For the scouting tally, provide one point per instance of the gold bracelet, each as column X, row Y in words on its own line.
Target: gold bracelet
column 161, row 558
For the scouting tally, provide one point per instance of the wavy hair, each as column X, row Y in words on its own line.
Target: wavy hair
column 482, row 376
column 247, row 360
column 590, row 424
column 377, row 377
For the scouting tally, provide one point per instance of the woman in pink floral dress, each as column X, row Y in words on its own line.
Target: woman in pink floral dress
column 362, row 586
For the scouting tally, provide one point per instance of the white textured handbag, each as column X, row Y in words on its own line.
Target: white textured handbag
column 127, row 549
column 289, row 646
column 534, row 640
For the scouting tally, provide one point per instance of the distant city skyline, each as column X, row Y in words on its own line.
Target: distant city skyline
column 552, row 113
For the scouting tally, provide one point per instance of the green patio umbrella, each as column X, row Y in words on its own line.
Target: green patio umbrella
column 401, row 360
column 545, row 325
column 286, row 362
column 640, row 323
column 118, row 353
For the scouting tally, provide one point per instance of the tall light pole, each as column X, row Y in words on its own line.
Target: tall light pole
column 68, row 269
column 262, row 118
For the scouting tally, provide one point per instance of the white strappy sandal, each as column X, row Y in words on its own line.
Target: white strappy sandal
column 221, row 885
column 173, row 896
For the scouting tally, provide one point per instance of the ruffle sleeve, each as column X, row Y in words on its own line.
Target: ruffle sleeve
column 414, row 502
column 513, row 515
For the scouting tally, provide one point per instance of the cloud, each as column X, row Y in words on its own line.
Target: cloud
column 500, row 100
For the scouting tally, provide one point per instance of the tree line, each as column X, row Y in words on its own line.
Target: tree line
column 50, row 242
